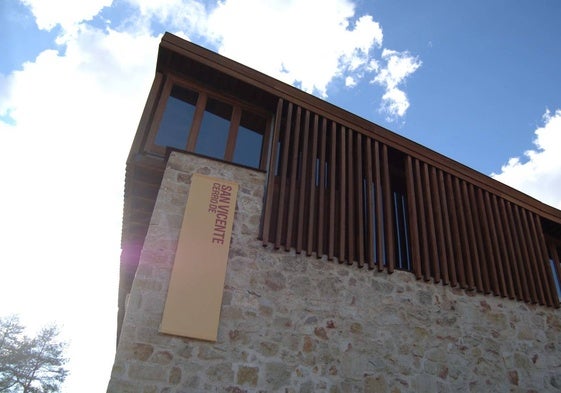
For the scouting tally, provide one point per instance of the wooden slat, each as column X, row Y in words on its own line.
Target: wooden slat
column 332, row 190
column 343, row 196
column 233, row 133
column 197, row 121
column 431, row 226
column 501, row 246
column 528, row 271
column 400, row 225
column 474, row 196
column 398, row 233
column 312, row 187
column 266, row 146
column 283, row 174
column 519, row 289
column 303, row 199
column 527, row 285
column 350, row 196
column 379, row 210
column 495, row 242
column 370, row 205
column 439, row 226
column 550, row 271
column 534, row 257
column 422, row 222
column 446, row 221
column 320, row 231
column 413, row 222
column 293, row 175
column 455, row 228
column 271, row 176
column 468, row 260
column 542, row 259
column 474, row 263
column 359, row 199
column 486, row 226
column 388, row 212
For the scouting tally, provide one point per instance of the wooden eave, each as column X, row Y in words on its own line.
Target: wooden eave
column 171, row 46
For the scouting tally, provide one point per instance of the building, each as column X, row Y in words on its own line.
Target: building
column 355, row 259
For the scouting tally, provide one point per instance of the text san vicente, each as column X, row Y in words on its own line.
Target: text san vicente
column 219, row 205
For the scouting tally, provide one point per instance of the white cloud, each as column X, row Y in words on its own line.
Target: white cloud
column 539, row 174
column 67, row 13
column 188, row 16
column 399, row 65
column 350, row 81
column 307, row 43
column 394, row 103
column 373, row 65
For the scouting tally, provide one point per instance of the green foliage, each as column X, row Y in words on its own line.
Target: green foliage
column 30, row 364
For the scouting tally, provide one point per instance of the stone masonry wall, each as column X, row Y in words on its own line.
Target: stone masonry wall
column 292, row 323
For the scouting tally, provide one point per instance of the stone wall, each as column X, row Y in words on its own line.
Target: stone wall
column 292, row 323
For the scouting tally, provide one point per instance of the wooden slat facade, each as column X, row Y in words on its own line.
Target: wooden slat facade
column 339, row 193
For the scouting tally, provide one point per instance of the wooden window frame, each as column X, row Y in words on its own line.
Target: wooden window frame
column 204, row 93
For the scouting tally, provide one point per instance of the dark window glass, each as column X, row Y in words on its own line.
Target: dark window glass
column 214, row 129
column 177, row 118
column 250, row 140
column 555, row 277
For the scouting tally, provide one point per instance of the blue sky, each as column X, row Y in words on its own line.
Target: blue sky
column 490, row 70
column 475, row 80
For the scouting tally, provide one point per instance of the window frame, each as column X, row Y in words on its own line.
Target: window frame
column 204, row 93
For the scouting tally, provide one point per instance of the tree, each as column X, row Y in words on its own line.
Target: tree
column 30, row 364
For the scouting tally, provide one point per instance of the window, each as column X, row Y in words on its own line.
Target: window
column 197, row 121
column 213, row 135
column 555, row 277
column 177, row 118
column 249, row 142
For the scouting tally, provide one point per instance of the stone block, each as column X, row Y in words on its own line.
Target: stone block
column 248, row 375
column 162, row 357
column 175, row 376
column 146, row 372
column 142, row 351
column 220, row 373
column 277, row 375
column 375, row 384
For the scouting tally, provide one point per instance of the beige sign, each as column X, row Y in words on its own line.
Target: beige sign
column 192, row 307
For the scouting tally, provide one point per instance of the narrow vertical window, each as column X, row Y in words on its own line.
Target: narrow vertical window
column 177, row 118
column 555, row 277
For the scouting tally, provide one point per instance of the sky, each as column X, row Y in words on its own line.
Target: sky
column 478, row 81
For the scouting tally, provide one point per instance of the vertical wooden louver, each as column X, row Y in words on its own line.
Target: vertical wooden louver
column 476, row 239
column 330, row 193
column 341, row 193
